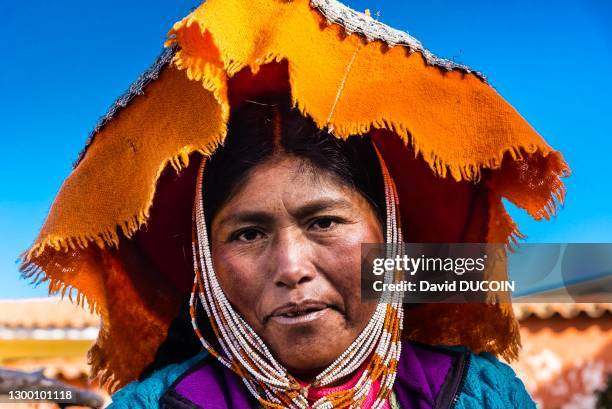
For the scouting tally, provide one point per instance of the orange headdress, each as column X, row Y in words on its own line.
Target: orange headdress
column 119, row 231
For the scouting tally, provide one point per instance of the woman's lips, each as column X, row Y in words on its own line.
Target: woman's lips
column 299, row 317
column 299, row 313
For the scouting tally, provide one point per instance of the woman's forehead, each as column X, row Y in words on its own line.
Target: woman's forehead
column 288, row 184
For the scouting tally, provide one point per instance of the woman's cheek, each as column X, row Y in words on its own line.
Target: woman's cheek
column 342, row 264
column 341, row 261
column 240, row 277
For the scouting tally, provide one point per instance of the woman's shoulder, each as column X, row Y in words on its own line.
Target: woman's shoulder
column 146, row 394
column 491, row 383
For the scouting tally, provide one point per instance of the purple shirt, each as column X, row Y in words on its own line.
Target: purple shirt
column 427, row 378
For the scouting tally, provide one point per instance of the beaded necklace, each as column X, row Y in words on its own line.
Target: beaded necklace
column 244, row 352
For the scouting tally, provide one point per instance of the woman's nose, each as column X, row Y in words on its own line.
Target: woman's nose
column 292, row 261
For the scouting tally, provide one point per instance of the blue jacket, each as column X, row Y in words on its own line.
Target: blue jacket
column 487, row 383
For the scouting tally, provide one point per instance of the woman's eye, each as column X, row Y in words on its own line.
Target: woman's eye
column 248, row 235
column 323, row 223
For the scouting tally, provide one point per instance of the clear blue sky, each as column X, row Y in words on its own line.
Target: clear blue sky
column 64, row 63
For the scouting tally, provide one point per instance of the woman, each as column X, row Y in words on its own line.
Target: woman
column 282, row 204
column 288, row 208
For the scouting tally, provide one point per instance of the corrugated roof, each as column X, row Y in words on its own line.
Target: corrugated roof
column 45, row 313
column 564, row 310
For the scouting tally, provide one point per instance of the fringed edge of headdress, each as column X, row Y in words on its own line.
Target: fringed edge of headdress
column 109, row 236
column 35, row 275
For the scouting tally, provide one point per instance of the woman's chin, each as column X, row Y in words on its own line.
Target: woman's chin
column 307, row 344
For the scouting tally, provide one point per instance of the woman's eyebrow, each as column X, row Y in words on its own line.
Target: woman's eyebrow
column 256, row 217
column 317, row 206
column 262, row 217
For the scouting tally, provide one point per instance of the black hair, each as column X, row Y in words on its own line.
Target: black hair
column 257, row 132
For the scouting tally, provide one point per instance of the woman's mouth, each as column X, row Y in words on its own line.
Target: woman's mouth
column 299, row 313
column 298, row 317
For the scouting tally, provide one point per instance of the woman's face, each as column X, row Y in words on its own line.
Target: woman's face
column 286, row 249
